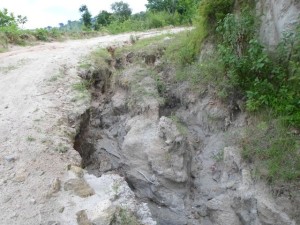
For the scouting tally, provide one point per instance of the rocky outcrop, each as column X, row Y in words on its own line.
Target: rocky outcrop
column 98, row 200
column 277, row 17
column 172, row 149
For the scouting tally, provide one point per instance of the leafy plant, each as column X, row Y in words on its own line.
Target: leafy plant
column 124, row 216
column 214, row 11
column 121, row 10
column 86, row 16
column 41, row 34
column 273, row 149
column 267, row 79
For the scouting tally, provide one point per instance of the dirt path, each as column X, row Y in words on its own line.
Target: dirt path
column 36, row 101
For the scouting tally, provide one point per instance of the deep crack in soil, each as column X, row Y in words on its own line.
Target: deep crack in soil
column 174, row 154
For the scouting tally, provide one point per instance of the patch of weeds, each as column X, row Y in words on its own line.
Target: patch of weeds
column 61, row 73
column 81, row 86
column 7, row 69
column 61, row 148
column 30, row 139
column 11, row 67
column 3, row 42
column 142, row 44
column 160, row 84
column 185, row 46
column 219, row 156
column 53, row 78
column 43, row 141
column 168, row 157
column 208, row 73
column 70, row 134
column 115, row 188
column 79, row 97
column 273, row 149
column 84, row 65
column 180, row 126
column 124, row 216
column 98, row 58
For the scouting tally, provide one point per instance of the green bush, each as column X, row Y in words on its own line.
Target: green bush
column 210, row 12
column 3, row 42
column 267, row 79
column 215, row 10
column 274, row 151
column 55, row 33
column 148, row 21
column 185, row 49
column 41, row 34
column 13, row 35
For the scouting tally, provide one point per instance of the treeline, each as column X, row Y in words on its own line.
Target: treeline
column 12, row 32
column 159, row 13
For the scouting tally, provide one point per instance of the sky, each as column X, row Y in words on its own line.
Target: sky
column 43, row 13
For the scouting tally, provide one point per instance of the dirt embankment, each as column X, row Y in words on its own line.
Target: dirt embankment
column 153, row 151
column 37, row 97
column 176, row 148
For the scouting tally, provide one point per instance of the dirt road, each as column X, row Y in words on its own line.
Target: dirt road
column 36, row 101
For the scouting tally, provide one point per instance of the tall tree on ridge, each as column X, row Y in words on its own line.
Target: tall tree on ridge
column 86, row 16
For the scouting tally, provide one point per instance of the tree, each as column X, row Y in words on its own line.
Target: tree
column 7, row 19
column 103, row 19
column 162, row 5
column 22, row 20
column 185, row 8
column 86, row 16
column 121, row 10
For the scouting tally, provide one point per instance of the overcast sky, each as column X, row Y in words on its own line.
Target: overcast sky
column 43, row 13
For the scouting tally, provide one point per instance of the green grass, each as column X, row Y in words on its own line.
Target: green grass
column 81, row 86
column 185, row 47
column 81, row 91
column 13, row 35
column 61, row 148
column 7, row 69
column 30, row 139
column 274, row 150
column 151, row 20
column 179, row 125
column 145, row 45
column 124, row 216
column 53, row 78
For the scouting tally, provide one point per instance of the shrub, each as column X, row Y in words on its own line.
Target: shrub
column 185, row 49
column 13, row 35
column 273, row 149
column 210, row 12
column 215, row 10
column 3, row 42
column 55, row 33
column 267, row 79
column 41, row 34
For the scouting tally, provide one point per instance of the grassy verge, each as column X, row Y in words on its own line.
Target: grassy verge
column 273, row 148
column 28, row 37
column 240, row 67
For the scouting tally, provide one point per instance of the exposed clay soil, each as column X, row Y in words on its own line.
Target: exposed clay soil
column 38, row 109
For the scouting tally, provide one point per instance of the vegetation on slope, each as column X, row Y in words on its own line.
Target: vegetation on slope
column 159, row 14
column 240, row 67
column 11, row 32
